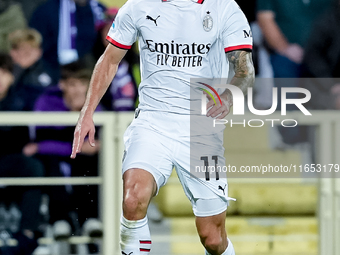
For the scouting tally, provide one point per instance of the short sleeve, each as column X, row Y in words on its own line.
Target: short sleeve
column 123, row 32
column 264, row 5
column 236, row 32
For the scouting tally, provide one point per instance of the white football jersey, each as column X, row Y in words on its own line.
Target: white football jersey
column 179, row 40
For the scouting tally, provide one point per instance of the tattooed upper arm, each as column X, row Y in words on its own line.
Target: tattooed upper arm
column 242, row 63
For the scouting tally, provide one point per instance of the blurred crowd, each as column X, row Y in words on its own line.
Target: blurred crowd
column 48, row 49
column 302, row 50
column 47, row 53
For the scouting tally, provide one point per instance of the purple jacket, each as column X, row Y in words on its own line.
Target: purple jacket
column 54, row 140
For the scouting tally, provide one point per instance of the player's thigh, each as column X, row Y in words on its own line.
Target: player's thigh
column 147, row 150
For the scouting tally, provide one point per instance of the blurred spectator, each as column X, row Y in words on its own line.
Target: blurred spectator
column 322, row 60
column 31, row 75
column 69, row 29
column 14, row 164
column 286, row 26
column 11, row 18
column 53, row 146
column 122, row 93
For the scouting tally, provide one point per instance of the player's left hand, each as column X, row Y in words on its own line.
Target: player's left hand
column 85, row 126
column 218, row 111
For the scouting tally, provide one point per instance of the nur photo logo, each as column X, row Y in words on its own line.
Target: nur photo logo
column 239, row 104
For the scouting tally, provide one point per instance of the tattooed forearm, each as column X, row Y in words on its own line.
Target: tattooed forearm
column 242, row 64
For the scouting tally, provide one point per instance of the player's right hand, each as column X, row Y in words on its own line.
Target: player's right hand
column 218, row 111
column 85, row 126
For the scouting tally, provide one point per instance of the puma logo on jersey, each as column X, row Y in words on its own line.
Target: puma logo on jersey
column 220, row 188
column 154, row 20
column 123, row 253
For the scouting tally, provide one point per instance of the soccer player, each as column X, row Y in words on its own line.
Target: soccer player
column 178, row 40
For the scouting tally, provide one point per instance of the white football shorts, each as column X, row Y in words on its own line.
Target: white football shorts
column 155, row 142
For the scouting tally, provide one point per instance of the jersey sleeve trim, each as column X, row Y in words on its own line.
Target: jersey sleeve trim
column 117, row 44
column 239, row 47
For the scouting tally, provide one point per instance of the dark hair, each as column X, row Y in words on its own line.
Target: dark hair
column 6, row 62
column 76, row 70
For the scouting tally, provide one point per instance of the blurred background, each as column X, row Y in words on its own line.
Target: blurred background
column 48, row 49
